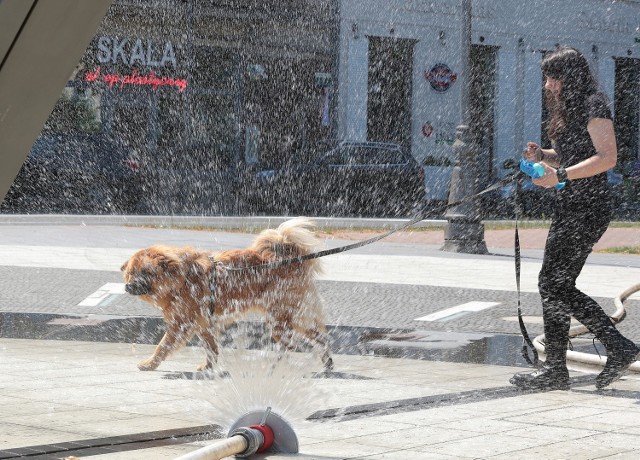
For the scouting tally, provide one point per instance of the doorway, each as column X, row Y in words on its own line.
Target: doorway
column 482, row 81
column 390, row 90
column 627, row 109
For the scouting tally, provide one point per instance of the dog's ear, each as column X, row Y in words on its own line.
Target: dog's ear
column 124, row 266
column 167, row 263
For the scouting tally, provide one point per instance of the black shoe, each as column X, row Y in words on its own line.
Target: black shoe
column 546, row 378
column 618, row 363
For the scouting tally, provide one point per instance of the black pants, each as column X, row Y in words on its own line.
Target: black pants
column 570, row 241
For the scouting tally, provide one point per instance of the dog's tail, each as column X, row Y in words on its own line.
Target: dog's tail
column 293, row 238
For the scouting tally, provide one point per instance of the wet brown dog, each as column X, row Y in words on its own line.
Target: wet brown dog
column 177, row 280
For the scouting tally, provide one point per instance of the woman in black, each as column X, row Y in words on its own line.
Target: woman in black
column 584, row 148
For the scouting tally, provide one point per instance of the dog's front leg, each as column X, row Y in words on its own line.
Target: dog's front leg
column 178, row 332
column 209, row 336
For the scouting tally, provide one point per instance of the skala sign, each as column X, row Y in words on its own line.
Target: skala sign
column 131, row 52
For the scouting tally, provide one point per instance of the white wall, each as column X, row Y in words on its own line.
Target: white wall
column 412, row 19
column 520, row 30
column 541, row 24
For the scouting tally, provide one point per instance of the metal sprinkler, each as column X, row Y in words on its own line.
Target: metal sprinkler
column 254, row 432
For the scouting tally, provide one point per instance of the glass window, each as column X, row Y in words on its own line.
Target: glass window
column 214, row 68
column 214, row 123
column 172, row 108
column 336, row 157
column 76, row 111
column 379, row 156
column 130, row 125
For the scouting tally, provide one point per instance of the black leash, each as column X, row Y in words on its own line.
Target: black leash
column 516, row 176
column 526, row 340
column 414, row 220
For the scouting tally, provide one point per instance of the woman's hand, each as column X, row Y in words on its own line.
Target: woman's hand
column 549, row 179
column 533, row 152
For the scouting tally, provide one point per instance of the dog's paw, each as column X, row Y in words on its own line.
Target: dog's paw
column 148, row 365
column 206, row 366
column 328, row 365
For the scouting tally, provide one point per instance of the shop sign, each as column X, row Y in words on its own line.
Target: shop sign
column 132, row 52
column 150, row 80
column 440, row 77
column 427, row 129
column 139, row 53
column 443, row 133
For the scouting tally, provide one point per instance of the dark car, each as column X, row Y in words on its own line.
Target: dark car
column 193, row 178
column 75, row 174
column 367, row 179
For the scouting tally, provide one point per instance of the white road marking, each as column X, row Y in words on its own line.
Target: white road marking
column 103, row 294
column 458, row 310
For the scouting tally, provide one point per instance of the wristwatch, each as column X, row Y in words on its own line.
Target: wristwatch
column 561, row 174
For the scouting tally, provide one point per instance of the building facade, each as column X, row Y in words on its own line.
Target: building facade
column 204, row 94
column 399, row 61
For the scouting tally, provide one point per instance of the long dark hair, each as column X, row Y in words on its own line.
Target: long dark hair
column 578, row 83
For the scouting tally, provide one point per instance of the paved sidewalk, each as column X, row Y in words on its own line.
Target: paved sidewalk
column 372, row 407
column 88, row 399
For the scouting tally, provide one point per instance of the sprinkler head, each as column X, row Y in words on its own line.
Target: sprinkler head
column 265, row 431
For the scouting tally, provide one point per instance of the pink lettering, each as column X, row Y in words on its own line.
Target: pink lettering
column 111, row 79
column 151, row 79
column 93, row 76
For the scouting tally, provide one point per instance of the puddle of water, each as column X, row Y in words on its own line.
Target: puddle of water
column 410, row 344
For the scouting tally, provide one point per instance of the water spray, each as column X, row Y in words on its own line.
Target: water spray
column 254, row 432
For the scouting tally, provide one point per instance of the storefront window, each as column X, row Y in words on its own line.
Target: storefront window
column 77, row 111
column 214, row 122
column 171, row 118
column 215, row 68
column 130, row 125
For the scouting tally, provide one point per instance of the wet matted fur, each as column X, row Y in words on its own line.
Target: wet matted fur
column 177, row 280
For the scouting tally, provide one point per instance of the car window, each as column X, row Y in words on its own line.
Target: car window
column 376, row 156
column 335, row 157
column 361, row 155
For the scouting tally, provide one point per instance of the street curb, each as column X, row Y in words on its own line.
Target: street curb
column 220, row 222
column 225, row 222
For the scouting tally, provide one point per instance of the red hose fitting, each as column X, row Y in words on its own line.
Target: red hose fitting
column 267, row 433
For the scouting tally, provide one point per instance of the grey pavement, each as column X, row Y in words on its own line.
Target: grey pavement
column 411, row 380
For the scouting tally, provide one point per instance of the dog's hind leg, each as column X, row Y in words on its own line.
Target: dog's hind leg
column 177, row 334
column 318, row 337
column 311, row 326
column 281, row 333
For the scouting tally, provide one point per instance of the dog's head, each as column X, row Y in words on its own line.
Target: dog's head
column 149, row 270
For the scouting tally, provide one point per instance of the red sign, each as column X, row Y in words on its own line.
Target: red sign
column 440, row 77
column 427, row 129
column 150, row 79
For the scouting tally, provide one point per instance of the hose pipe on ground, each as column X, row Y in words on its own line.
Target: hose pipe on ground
column 248, row 435
column 588, row 358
